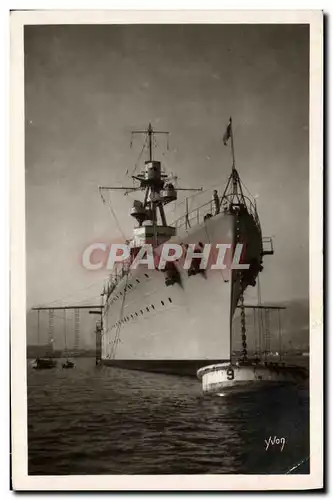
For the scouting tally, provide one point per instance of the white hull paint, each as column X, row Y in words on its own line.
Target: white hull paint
column 221, row 377
column 146, row 320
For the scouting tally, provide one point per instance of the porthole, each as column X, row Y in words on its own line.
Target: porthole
column 141, row 311
column 136, row 314
column 153, row 306
column 170, row 300
column 147, row 308
column 162, row 302
column 146, row 275
column 138, row 281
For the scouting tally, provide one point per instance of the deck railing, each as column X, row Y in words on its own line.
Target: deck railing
column 197, row 215
column 192, row 218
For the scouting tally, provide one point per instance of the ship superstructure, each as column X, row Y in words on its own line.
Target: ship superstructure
column 176, row 320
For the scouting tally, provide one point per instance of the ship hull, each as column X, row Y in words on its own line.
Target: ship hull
column 179, row 367
column 179, row 328
column 222, row 377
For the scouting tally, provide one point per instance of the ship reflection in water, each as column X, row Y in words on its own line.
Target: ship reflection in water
column 110, row 421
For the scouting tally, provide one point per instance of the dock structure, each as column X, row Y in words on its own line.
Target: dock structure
column 93, row 309
column 53, row 308
column 262, row 316
column 247, row 373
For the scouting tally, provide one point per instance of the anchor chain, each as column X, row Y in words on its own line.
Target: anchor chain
column 243, row 326
column 241, row 298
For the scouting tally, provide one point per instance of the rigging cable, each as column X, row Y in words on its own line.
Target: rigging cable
column 112, row 212
column 65, row 333
column 71, row 294
column 280, row 335
column 260, row 320
column 255, row 336
column 140, row 155
column 38, row 323
column 117, row 336
column 244, row 186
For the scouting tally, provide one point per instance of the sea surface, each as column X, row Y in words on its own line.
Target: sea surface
column 93, row 420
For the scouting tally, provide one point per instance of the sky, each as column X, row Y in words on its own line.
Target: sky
column 87, row 87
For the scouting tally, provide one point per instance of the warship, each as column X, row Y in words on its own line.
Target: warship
column 179, row 320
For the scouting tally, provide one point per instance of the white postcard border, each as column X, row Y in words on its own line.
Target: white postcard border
column 21, row 480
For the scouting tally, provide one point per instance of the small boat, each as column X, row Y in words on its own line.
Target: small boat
column 68, row 364
column 44, row 363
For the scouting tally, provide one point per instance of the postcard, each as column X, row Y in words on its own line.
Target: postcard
column 166, row 250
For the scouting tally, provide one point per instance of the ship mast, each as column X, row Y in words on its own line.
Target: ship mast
column 159, row 191
column 150, row 134
column 235, row 178
column 153, row 188
column 233, row 191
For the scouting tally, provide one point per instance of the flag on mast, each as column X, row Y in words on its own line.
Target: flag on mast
column 228, row 132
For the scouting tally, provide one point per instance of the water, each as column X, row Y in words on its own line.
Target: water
column 109, row 421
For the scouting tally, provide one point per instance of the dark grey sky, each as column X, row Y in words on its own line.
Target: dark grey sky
column 87, row 87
